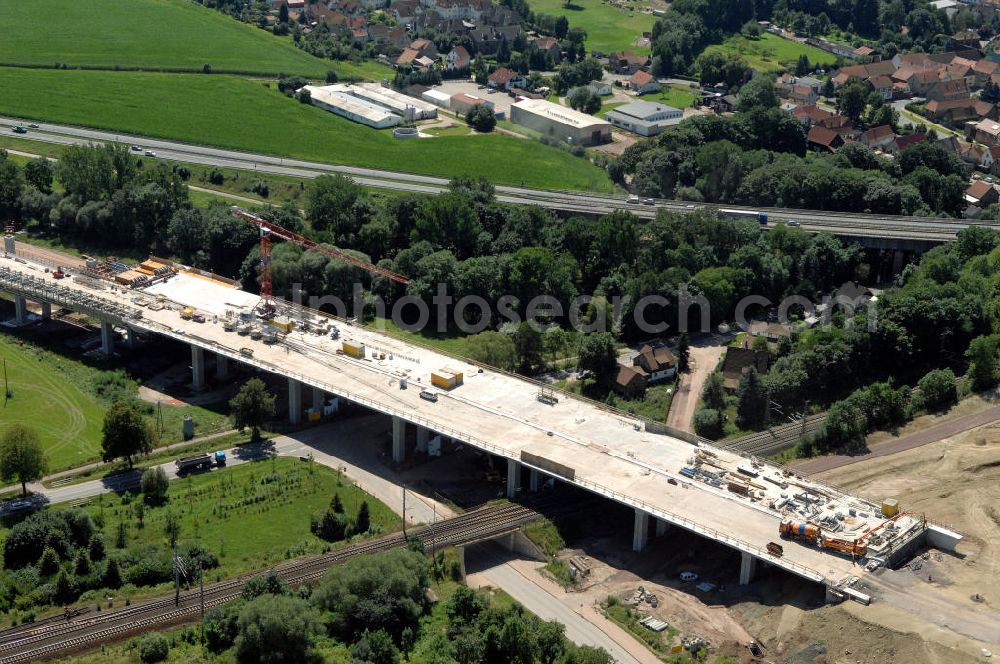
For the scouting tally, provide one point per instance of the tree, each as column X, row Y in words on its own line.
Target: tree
column 802, row 66
column 337, row 505
column 938, row 389
column 982, row 356
column 96, row 548
column 550, row 639
column 172, row 527
column 21, row 456
column 683, row 353
column 81, row 566
column 757, row 93
column 276, row 628
column 331, row 527
column 126, row 434
column 38, row 173
column 362, row 524
column 852, row 98
column 481, row 118
column 587, row 655
column 528, row 345
column 266, row 584
column 708, row 423
column 561, row 27
column 597, row 354
column 283, row 14
column 331, row 203
column 154, row 647
column 375, row 648
column 713, row 395
column 493, row 348
column 753, row 405
column 48, row 564
column 252, row 407
column 112, row 577
column 584, row 100
column 154, row 485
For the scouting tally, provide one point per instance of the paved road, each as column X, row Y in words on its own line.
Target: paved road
column 930, row 230
column 903, row 443
column 491, row 565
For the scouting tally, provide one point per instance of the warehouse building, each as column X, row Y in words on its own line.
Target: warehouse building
column 409, row 108
column 560, row 122
column 334, row 99
column 461, row 103
column 436, row 97
column 645, row 118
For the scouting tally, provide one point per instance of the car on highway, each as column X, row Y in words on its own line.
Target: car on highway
column 792, row 222
column 648, row 201
column 632, row 201
column 150, row 153
column 427, row 395
column 20, row 130
column 136, row 148
column 33, row 125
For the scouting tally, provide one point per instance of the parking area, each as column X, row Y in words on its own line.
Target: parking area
column 501, row 100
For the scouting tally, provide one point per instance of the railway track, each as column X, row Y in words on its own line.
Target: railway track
column 776, row 439
column 31, row 642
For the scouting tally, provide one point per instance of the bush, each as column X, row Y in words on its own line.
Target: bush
column 221, row 626
column 153, row 647
column 708, row 423
column 938, row 389
column 481, row 118
column 154, row 486
column 274, row 628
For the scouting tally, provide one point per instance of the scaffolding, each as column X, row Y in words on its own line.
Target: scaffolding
column 40, row 290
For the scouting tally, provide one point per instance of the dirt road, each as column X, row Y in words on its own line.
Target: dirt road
column 704, row 357
column 933, row 434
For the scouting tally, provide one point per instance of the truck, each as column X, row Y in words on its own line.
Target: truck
column 805, row 531
column 246, row 352
column 187, row 313
column 195, row 462
column 198, row 317
column 220, row 458
column 20, row 129
column 759, row 215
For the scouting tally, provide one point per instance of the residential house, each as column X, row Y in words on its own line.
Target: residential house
column 972, row 154
column 770, row 331
column 424, row 47
column 457, row 58
column 900, row 143
column 985, row 131
column 877, row 138
column 864, row 53
column 990, row 160
column 407, row 57
column 984, row 70
column 982, row 194
column 658, row 363
column 599, row 88
column 883, row 86
column 822, row 139
column 947, row 90
column 630, row 382
column 967, row 38
column 960, row 110
column 803, row 89
column 738, row 361
column 838, row 123
column 810, row 114
column 405, row 11
column 626, row 62
column 505, row 79
column 642, row 82
column 549, row 46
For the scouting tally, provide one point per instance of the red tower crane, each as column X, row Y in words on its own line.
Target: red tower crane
column 269, row 229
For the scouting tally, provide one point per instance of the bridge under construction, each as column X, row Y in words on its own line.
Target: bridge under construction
column 671, row 479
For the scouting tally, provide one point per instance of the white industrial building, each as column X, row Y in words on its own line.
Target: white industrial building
column 436, row 97
column 560, row 122
column 370, row 104
column 645, row 118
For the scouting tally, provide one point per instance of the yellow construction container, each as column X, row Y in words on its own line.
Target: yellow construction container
column 281, row 323
column 446, row 379
column 187, row 313
column 314, row 415
column 354, row 349
column 890, row 507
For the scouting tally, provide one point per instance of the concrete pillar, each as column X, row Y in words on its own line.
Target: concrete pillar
column 661, row 527
column 107, row 338
column 319, row 398
column 46, row 310
column 513, row 477
column 221, row 367
column 294, row 401
column 20, row 309
column 460, row 550
column 640, row 531
column 534, row 481
column 131, row 337
column 897, row 262
column 748, row 565
column 398, row 439
column 423, row 435
column 197, row 367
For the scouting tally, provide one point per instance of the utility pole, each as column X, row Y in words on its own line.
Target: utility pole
column 404, row 510
column 433, row 535
column 805, row 414
column 201, row 583
column 177, row 577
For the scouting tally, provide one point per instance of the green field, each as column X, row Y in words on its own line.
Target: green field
column 608, row 28
column 771, row 52
column 47, row 399
column 250, row 115
column 147, row 34
column 673, row 96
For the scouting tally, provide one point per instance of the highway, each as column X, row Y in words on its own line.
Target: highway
column 923, row 230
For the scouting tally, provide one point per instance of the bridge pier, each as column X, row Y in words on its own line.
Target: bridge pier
column 513, row 478
column 131, row 337
column 398, row 439
column 294, row 402
column 318, row 399
column 423, row 435
column 107, row 338
column 46, row 310
column 197, row 368
column 20, row 309
column 897, row 261
column 661, row 527
column 221, row 367
column 748, row 565
column 534, row 481
column 640, row 531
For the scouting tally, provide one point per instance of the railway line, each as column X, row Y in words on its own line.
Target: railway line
column 31, row 642
column 775, row 439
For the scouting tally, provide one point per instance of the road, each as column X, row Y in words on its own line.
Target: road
column 903, row 443
column 919, row 229
column 704, row 357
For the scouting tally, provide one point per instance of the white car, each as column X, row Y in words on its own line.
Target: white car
column 689, row 576
column 150, row 153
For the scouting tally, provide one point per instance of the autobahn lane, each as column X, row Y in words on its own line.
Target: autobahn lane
column 921, row 229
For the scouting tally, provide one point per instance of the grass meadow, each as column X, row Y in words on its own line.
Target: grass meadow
column 771, row 52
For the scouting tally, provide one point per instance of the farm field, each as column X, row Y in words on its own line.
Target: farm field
column 163, row 105
column 147, row 34
column 771, row 52
column 608, row 28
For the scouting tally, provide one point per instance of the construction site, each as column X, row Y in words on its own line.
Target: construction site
column 768, row 515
